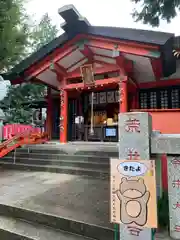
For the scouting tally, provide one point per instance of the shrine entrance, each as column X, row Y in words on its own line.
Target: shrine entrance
column 102, row 117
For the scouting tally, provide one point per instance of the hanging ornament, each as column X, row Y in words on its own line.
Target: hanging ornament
column 176, row 53
column 115, row 52
column 51, row 65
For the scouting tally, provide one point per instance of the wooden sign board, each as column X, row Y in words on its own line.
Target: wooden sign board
column 133, row 193
column 87, row 74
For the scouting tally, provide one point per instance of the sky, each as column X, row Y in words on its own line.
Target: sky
column 115, row 13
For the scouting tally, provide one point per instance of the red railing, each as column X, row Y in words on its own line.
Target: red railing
column 27, row 137
column 10, row 130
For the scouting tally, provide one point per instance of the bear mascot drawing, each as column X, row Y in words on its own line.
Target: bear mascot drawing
column 134, row 198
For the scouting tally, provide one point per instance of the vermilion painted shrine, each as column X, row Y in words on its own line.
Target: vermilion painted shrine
column 126, row 69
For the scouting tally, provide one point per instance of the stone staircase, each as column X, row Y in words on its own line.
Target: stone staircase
column 74, row 158
column 18, row 223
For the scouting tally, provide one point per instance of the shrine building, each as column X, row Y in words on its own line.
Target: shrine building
column 97, row 72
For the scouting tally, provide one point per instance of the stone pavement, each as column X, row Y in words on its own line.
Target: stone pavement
column 69, row 196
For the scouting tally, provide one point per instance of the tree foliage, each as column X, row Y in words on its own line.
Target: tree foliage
column 43, row 33
column 17, row 95
column 152, row 11
column 16, row 44
column 13, row 33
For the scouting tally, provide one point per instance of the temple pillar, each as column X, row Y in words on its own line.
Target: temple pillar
column 123, row 96
column 63, row 115
column 49, row 114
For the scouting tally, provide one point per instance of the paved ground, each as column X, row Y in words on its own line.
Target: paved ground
column 79, row 198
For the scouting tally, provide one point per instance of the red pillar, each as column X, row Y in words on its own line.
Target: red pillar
column 123, row 95
column 164, row 172
column 63, row 115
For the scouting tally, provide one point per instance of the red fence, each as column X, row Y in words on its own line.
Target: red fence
column 10, row 130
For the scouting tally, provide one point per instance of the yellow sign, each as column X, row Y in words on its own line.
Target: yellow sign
column 133, row 193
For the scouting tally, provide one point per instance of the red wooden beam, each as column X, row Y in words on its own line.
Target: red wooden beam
column 101, row 82
column 121, row 48
column 87, row 53
column 45, row 64
column 59, row 70
column 116, row 41
column 125, row 48
column 105, row 69
column 157, row 68
column 107, row 65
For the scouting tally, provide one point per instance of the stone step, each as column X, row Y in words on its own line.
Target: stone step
column 70, row 151
column 51, row 162
column 104, row 174
column 40, row 226
column 17, row 229
column 67, row 149
column 85, row 158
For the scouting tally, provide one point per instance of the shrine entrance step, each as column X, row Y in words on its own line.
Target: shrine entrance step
column 78, row 159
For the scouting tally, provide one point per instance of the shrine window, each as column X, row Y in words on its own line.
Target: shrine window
column 166, row 98
column 153, row 99
column 143, row 100
column 175, row 98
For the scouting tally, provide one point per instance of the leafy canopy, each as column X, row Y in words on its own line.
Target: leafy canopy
column 152, row 11
column 19, row 38
column 13, row 33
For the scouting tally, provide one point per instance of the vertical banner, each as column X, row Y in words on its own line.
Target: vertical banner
column 134, row 145
column 87, row 75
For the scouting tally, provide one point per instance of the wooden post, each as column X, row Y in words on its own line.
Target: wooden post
column 63, row 115
column 49, row 114
column 123, row 96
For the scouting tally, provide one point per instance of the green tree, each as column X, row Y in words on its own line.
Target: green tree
column 15, row 110
column 17, row 95
column 152, row 11
column 43, row 33
column 13, row 33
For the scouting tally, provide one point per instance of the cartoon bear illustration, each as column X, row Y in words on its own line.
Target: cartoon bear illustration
column 134, row 198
